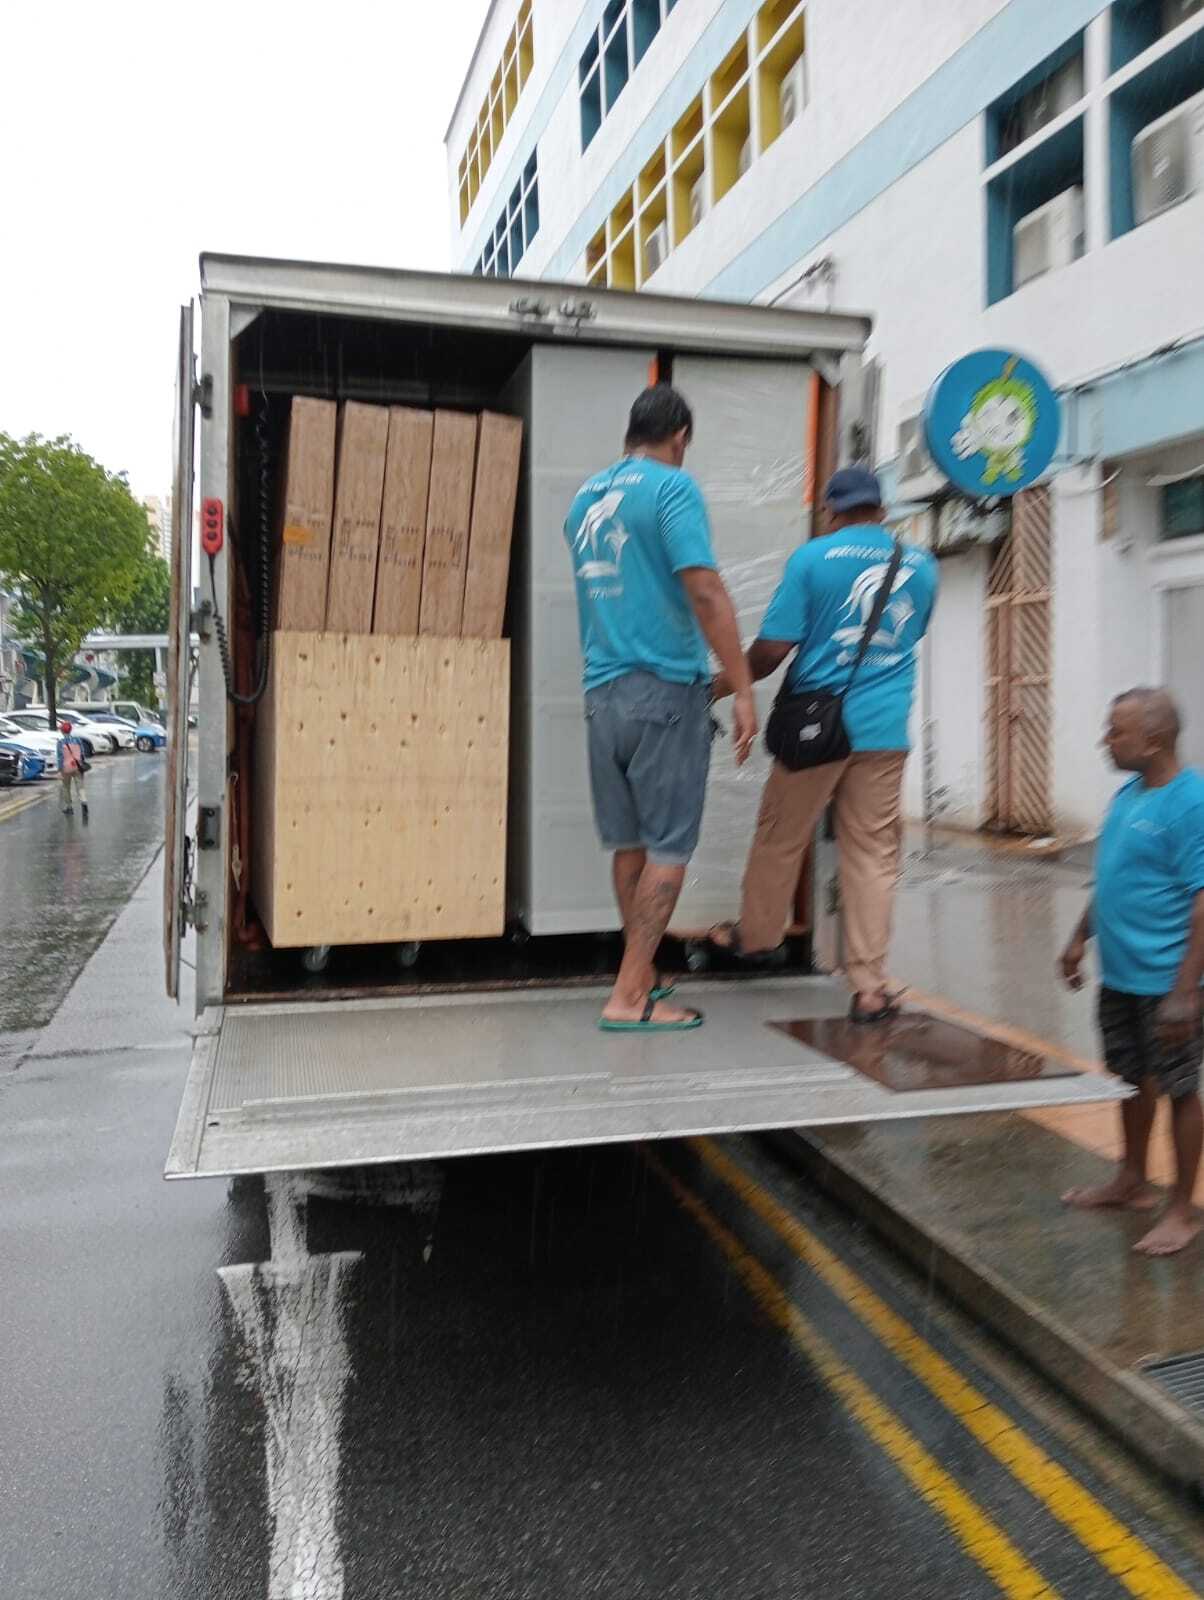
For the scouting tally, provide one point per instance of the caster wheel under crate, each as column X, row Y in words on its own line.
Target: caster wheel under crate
column 407, row 954
column 316, row 958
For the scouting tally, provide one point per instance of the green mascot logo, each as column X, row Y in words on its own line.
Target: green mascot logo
column 998, row 425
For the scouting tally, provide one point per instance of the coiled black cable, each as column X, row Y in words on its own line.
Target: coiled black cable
column 263, row 644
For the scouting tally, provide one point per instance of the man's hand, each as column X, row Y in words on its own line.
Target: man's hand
column 1070, row 963
column 744, row 725
column 1177, row 1019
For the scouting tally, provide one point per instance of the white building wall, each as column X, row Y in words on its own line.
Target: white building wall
column 912, row 254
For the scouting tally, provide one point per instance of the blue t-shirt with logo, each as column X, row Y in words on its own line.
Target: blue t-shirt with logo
column 1149, row 867
column 630, row 531
column 822, row 604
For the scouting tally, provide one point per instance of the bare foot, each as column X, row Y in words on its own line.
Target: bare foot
column 616, row 1010
column 1172, row 1233
column 1133, row 1194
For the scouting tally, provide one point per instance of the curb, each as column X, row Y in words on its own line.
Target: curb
column 1149, row 1423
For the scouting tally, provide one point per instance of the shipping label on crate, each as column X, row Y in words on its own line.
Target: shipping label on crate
column 495, row 490
column 304, row 557
column 403, row 522
column 363, row 439
column 449, row 508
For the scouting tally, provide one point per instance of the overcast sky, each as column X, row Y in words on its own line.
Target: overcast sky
column 133, row 136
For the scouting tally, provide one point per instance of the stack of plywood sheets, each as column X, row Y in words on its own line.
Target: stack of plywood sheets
column 381, row 744
column 380, row 789
column 397, row 522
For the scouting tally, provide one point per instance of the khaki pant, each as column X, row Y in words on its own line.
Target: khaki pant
column 867, row 789
column 72, row 785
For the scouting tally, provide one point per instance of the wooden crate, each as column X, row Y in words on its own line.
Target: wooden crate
column 363, row 434
column 308, row 501
column 495, row 490
column 449, row 506
column 403, row 522
column 380, row 789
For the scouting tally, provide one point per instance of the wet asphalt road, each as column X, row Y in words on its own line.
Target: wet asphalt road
column 63, row 884
column 577, row 1374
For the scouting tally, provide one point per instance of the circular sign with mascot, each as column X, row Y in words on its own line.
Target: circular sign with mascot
column 991, row 423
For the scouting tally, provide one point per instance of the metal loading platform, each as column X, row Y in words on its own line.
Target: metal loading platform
column 305, row 1086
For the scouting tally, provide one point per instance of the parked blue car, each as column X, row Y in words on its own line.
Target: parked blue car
column 149, row 736
column 31, row 766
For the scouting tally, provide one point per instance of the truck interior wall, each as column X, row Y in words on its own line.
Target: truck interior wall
column 573, row 401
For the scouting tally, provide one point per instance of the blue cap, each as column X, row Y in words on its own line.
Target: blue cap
column 852, row 487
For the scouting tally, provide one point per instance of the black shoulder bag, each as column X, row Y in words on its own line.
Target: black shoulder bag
column 807, row 729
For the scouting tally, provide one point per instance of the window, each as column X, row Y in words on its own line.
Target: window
column 1138, row 24
column 498, row 107
column 1035, row 203
column 613, row 53
column 1182, row 509
column 516, row 226
column 709, row 149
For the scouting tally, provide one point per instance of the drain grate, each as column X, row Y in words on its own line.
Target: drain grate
column 1182, row 1377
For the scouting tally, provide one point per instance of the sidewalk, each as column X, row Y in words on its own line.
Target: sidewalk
column 975, row 1200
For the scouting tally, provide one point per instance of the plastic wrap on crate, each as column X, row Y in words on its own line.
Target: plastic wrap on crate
column 749, row 455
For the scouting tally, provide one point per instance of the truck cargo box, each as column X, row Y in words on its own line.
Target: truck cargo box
column 453, row 1010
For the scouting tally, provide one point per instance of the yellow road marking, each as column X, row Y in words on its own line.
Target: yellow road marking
column 14, row 807
column 980, row 1536
column 1126, row 1556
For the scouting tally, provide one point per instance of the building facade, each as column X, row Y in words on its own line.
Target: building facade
column 158, row 514
column 971, row 173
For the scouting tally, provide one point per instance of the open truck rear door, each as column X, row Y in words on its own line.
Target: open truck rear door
column 176, row 873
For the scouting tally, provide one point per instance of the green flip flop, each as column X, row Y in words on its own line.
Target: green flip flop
column 693, row 1019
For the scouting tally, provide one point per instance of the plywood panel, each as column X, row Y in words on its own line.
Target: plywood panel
column 403, row 521
column 304, row 560
column 363, row 438
column 383, row 763
column 449, row 507
column 495, row 489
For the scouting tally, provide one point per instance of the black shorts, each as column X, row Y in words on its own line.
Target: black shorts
column 1133, row 1051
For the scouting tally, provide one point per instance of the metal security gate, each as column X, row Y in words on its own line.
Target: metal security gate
column 1018, row 671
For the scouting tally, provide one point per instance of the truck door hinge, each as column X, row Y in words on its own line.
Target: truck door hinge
column 527, row 306
column 578, row 311
column 193, row 902
column 198, row 620
column 208, row 827
column 202, row 394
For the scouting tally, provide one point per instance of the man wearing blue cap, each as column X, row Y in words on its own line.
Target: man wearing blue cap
column 820, row 614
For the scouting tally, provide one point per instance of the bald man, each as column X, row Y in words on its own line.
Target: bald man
column 1147, row 916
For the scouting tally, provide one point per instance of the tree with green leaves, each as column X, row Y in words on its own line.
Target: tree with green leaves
column 72, row 542
column 146, row 609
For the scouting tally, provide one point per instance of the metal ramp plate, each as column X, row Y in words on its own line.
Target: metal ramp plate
column 286, row 1087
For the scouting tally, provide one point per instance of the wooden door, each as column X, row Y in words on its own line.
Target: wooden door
column 1019, row 595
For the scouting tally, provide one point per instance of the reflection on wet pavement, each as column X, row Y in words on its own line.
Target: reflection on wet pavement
column 985, row 929
column 62, row 884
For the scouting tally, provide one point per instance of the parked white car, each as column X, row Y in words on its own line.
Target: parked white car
column 130, row 710
column 44, row 744
column 109, row 722
column 97, row 739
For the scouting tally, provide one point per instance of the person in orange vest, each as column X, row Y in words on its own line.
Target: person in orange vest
column 72, row 766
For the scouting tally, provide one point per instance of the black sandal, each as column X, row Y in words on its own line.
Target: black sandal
column 736, row 951
column 884, row 1012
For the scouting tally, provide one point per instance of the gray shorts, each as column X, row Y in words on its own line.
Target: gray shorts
column 649, row 753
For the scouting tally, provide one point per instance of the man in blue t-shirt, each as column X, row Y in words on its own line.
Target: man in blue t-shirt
column 649, row 602
column 819, row 613
column 1147, row 916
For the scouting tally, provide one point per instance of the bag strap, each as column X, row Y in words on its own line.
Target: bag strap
column 876, row 610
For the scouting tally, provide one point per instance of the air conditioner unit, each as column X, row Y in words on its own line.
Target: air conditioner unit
column 1057, row 93
column 918, row 477
column 698, row 200
column 1176, row 11
column 1049, row 237
column 1168, row 159
column 745, row 158
column 959, row 523
column 792, row 93
column 656, row 249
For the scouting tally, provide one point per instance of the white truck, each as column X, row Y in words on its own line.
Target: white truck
column 409, row 1051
